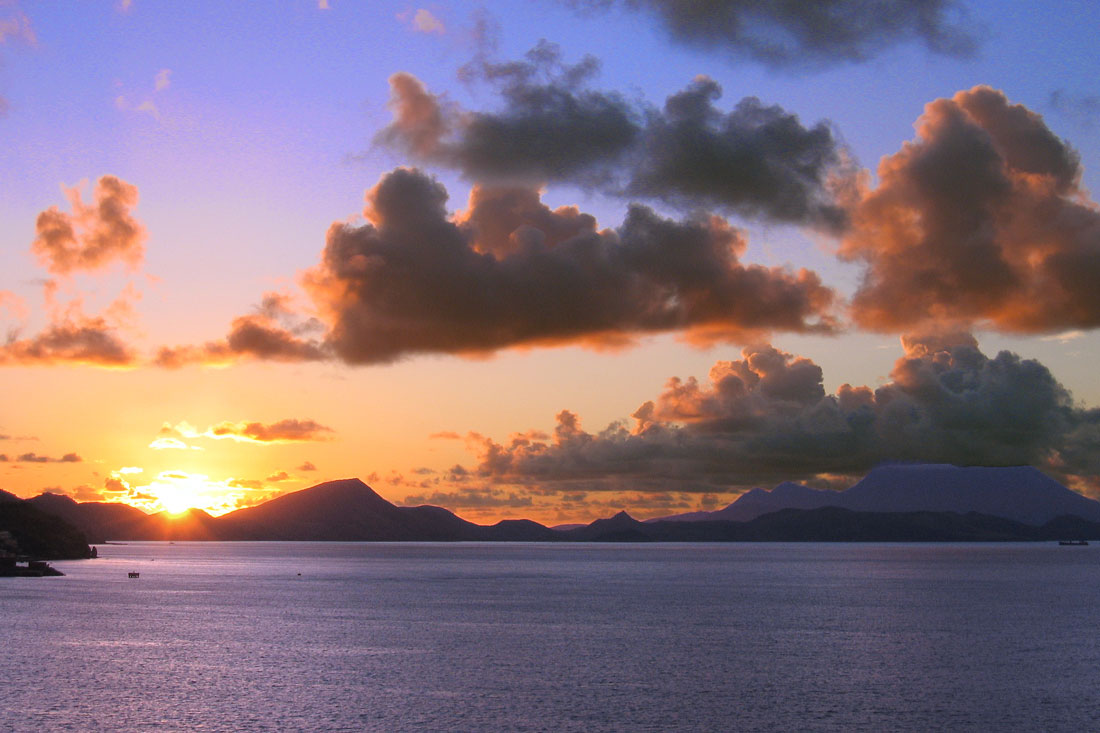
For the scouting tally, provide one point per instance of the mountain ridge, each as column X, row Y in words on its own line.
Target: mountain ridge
column 891, row 502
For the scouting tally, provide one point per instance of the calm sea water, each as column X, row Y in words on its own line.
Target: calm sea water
column 520, row 637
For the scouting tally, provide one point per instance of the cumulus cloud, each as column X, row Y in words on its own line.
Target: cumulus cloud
column 511, row 272
column 806, row 34
column 981, row 220
column 756, row 160
column 412, row 280
column 93, row 235
column 766, row 417
column 307, row 466
column 77, row 339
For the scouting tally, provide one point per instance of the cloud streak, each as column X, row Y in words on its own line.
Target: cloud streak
column 291, row 430
column 805, row 35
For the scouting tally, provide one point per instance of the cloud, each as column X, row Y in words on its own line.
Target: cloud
column 1081, row 109
column 163, row 80
column 273, row 333
column 981, row 220
column 92, row 236
column 283, row 431
column 471, row 499
column 423, row 21
column 168, row 443
column 806, row 35
column 511, row 272
column 14, row 24
column 413, row 281
column 17, row 26
column 35, row 458
column 77, row 339
column 756, row 160
column 306, row 466
column 766, row 417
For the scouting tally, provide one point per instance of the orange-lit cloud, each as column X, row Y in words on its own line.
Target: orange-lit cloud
column 77, row 339
column 282, row 431
column 423, row 21
column 981, row 220
column 94, row 235
column 766, row 417
column 275, row 332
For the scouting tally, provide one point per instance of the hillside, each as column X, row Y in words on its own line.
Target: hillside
column 1020, row 493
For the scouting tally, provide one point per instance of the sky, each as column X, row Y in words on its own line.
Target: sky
column 543, row 258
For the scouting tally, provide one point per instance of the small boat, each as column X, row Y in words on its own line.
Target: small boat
column 132, row 574
column 1076, row 543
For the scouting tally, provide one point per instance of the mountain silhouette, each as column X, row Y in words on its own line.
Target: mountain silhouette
column 913, row 503
column 1020, row 493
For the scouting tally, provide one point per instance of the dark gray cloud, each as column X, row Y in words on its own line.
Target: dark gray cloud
column 807, row 35
column 413, row 280
column 756, row 160
column 509, row 271
column 982, row 220
column 767, row 418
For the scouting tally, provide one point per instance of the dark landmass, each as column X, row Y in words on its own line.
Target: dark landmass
column 349, row 510
column 101, row 521
column 26, row 531
column 1020, row 493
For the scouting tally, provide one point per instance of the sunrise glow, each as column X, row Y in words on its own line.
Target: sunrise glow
column 486, row 263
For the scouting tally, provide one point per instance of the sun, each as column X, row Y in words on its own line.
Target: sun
column 177, row 492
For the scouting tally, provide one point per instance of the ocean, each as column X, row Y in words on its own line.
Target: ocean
column 547, row 637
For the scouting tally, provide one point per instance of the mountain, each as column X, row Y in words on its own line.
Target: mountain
column 1020, row 493
column 27, row 530
column 102, row 521
column 757, row 502
column 620, row 528
column 891, row 503
column 834, row 524
column 346, row 510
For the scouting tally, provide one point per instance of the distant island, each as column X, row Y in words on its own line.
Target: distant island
column 910, row 503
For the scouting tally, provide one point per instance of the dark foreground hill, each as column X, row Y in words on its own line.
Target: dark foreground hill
column 25, row 530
